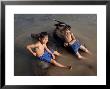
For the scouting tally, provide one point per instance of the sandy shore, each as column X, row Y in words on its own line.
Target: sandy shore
column 85, row 30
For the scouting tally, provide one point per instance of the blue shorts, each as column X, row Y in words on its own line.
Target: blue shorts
column 46, row 56
column 75, row 47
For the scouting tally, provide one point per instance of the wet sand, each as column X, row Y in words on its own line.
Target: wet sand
column 85, row 30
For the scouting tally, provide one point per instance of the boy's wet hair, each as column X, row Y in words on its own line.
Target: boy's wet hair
column 43, row 34
column 39, row 35
column 67, row 27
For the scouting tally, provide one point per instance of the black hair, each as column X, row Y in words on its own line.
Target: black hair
column 67, row 27
column 59, row 25
column 43, row 34
column 35, row 36
column 39, row 35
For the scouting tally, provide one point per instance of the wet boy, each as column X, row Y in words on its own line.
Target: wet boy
column 74, row 44
column 43, row 53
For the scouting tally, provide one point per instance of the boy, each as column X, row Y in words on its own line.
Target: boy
column 43, row 53
column 70, row 41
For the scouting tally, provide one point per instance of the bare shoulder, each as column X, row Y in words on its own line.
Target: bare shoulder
column 71, row 33
column 37, row 43
column 30, row 46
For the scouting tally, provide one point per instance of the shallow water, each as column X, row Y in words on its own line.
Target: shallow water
column 85, row 30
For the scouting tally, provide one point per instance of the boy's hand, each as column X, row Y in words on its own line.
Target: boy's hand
column 65, row 44
column 34, row 54
column 53, row 56
column 72, row 42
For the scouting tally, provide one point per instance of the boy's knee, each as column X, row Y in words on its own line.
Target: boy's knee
column 55, row 52
column 52, row 61
column 85, row 50
column 79, row 56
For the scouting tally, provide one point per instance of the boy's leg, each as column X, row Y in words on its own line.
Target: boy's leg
column 79, row 56
column 57, row 53
column 60, row 65
column 84, row 49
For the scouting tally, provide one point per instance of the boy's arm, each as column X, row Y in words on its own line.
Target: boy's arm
column 47, row 49
column 50, row 52
column 66, row 44
column 29, row 47
column 73, row 39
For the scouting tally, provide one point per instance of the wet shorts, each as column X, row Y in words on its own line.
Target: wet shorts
column 46, row 56
column 75, row 47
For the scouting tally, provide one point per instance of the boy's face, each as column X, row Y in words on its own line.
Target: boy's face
column 45, row 40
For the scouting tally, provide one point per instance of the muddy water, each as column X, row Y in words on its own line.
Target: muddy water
column 85, row 30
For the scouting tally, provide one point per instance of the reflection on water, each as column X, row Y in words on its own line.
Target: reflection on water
column 85, row 30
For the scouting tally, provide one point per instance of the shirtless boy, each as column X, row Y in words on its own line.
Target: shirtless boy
column 74, row 44
column 43, row 53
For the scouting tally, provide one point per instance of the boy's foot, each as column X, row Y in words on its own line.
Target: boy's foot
column 89, row 52
column 81, row 57
column 69, row 67
column 57, row 53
